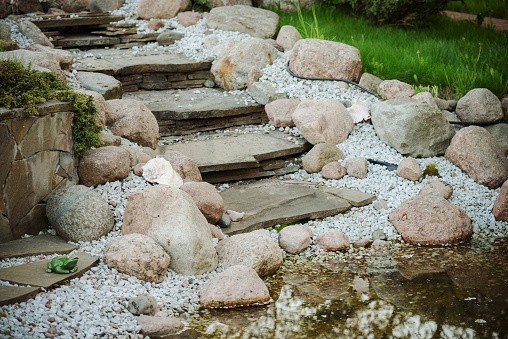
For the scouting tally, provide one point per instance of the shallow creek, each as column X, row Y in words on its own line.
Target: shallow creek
column 408, row 292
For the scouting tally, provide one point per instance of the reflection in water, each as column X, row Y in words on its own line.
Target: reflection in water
column 411, row 292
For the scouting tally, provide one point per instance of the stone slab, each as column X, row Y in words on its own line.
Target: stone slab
column 39, row 244
column 35, row 274
column 82, row 20
column 86, row 40
column 16, row 294
column 355, row 197
column 273, row 203
column 204, row 103
column 238, row 152
column 245, row 174
column 106, row 85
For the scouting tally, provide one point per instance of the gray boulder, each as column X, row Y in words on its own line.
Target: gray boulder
column 108, row 86
column 255, row 250
column 231, row 71
column 78, row 213
column 260, row 23
column 100, row 6
column 31, row 31
column 170, row 217
column 500, row 133
column 143, row 304
column 479, row 105
column 265, row 93
column 412, row 127
column 100, row 165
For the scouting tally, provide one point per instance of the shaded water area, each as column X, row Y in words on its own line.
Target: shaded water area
column 408, row 292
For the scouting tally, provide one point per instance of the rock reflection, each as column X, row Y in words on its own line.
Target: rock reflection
column 408, row 293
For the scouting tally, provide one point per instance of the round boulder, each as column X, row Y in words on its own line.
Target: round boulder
column 409, row 169
column 253, row 249
column 162, row 9
column 332, row 241
column 320, row 155
column 78, row 213
column 294, row 239
column 437, row 187
column 138, row 255
column 208, row 200
column 333, row 170
column 479, row 105
column 184, row 166
column 101, row 165
column 431, row 220
column 237, row 285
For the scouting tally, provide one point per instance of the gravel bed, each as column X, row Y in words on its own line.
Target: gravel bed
column 95, row 304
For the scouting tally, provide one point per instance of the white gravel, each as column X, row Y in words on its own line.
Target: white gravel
column 95, row 304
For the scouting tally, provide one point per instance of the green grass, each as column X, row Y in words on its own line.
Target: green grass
column 455, row 56
column 499, row 8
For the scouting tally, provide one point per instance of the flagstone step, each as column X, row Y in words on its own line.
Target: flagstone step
column 152, row 70
column 17, row 294
column 39, row 244
column 245, row 156
column 280, row 202
column 197, row 110
column 34, row 274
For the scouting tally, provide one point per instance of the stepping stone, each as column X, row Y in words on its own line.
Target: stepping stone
column 245, row 156
column 86, row 40
column 16, row 294
column 76, row 20
column 35, row 274
column 39, row 244
column 273, row 203
column 355, row 197
column 197, row 110
column 106, row 85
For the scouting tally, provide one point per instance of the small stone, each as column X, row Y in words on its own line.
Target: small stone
column 51, row 319
column 216, row 232
column 409, row 169
column 320, row 155
column 332, row 241
column 500, row 210
column 379, row 244
column 437, row 187
column 143, row 304
column 156, row 327
column 235, row 216
column 378, row 234
column 363, row 243
column 357, row 167
column 294, row 239
column 380, row 205
column 209, row 84
column 155, row 24
column 138, row 169
column 225, row 221
column 333, row 170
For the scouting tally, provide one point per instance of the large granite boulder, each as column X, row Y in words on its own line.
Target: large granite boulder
column 100, row 105
column 317, row 58
column 431, row 220
column 477, row 153
column 232, row 69
column 500, row 209
column 323, row 120
column 237, row 285
column 44, row 62
column 320, row 155
column 31, row 31
column 479, row 105
column 137, row 255
column 260, row 23
column 162, row 9
column 132, row 120
column 169, row 216
column 208, row 200
column 64, row 58
column 75, row 6
column 412, row 127
column 104, row 164
column 253, row 249
column 78, row 213
column 183, row 165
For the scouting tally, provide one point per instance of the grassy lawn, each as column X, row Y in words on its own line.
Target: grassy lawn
column 499, row 8
column 455, row 56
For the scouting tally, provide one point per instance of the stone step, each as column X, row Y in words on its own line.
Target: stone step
column 17, row 294
column 152, row 70
column 279, row 202
column 246, row 156
column 34, row 274
column 39, row 244
column 198, row 110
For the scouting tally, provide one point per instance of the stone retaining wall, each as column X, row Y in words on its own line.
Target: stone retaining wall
column 36, row 158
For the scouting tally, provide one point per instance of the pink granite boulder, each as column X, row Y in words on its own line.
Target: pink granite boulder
column 101, row 165
column 500, row 209
column 280, row 111
column 333, row 170
column 475, row 151
column 187, row 19
column 332, row 241
column 409, row 169
column 183, row 165
column 236, row 286
column 208, row 200
column 162, row 9
column 294, row 239
column 431, row 220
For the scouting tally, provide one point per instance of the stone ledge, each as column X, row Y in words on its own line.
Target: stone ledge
column 46, row 108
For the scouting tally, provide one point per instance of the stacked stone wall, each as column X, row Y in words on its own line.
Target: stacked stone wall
column 36, row 158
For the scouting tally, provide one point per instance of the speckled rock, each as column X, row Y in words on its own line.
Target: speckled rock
column 104, row 164
column 357, row 167
column 208, row 200
column 479, row 105
column 409, row 169
column 287, row 37
column 294, row 239
column 138, row 255
column 143, row 304
column 320, row 155
column 438, row 188
column 392, row 89
column 184, row 166
column 280, row 111
column 332, row 241
column 156, row 327
column 333, row 170
column 237, row 285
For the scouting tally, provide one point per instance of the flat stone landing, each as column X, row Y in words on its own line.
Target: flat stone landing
column 246, row 156
column 153, row 70
column 198, row 110
column 34, row 274
column 281, row 202
column 39, row 244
